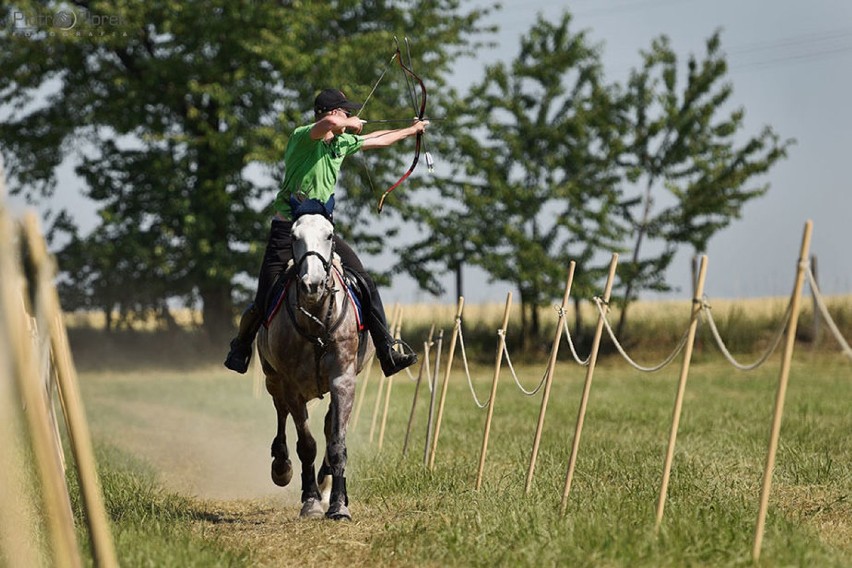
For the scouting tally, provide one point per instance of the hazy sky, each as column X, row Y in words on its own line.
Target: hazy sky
column 791, row 68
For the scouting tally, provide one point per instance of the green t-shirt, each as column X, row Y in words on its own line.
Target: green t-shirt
column 311, row 166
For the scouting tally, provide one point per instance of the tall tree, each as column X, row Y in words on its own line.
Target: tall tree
column 688, row 167
column 177, row 114
column 534, row 180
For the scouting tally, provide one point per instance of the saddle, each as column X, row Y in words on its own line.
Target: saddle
column 356, row 288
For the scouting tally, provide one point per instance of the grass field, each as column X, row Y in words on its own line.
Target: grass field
column 185, row 462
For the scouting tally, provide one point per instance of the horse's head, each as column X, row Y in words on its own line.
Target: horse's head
column 313, row 249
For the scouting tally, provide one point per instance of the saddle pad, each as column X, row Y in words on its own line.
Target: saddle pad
column 353, row 297
column 275, row 302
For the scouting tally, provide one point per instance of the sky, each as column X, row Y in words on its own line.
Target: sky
column 791, row 67
column 790, row 64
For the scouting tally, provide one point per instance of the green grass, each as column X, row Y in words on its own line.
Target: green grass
column 713, row 494
column 405, row 515
column 150, row 525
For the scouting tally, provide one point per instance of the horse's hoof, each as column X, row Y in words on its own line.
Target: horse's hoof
column 282, row 472
column 311, row 509
column 339, row 513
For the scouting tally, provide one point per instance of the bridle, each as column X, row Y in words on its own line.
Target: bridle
column 324, row 339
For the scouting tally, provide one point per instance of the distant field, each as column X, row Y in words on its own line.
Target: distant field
column 655, row 313
column 425, row 314
column 654, row 328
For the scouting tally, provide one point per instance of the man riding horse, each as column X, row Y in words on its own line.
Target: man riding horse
column 312, row 161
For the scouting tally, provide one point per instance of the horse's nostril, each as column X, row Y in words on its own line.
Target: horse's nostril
column 309, row 286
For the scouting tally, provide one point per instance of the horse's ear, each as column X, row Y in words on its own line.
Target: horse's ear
column 312, row 207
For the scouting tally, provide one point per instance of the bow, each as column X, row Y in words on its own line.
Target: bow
column 420, row 110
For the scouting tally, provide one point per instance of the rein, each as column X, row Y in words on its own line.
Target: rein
column 321, row 342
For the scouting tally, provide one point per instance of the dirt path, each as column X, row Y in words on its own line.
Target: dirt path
column 195, row 454
column 223, row 462
column 276, row 536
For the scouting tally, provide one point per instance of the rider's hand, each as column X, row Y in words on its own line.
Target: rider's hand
column 354, row 124
column 419, row 126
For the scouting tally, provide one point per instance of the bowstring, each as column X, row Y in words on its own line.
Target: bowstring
column 408, row 80
column 363, row 106
column 410, row 87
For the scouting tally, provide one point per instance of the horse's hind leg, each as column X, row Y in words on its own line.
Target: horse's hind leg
column 282, row 468
column 306, row 448
column 342, row 395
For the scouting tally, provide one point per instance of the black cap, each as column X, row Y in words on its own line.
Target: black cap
column 330, row 99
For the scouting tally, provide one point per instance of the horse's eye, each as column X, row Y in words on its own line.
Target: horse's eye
column 330, row 237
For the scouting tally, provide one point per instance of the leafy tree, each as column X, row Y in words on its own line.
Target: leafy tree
column 177, row 114
column 534, row 180
column 688, row 168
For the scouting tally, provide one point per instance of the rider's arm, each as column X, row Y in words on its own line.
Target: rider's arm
column 385, row 138
column 337, row 123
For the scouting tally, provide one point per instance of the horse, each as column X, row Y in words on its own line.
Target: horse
column 307, row 351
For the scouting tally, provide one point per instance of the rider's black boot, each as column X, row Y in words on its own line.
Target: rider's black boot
column 241, row 346
column 392, row 361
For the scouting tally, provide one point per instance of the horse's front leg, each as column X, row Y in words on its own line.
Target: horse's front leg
column 282, row 468
column 342, row 397
column 306, row 448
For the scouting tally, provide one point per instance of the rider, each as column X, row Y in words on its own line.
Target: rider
column 313, row 158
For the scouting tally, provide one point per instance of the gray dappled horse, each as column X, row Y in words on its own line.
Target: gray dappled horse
column 308, row 349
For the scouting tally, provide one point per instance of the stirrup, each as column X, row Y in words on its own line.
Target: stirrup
column 406, row 348
column 393, row 361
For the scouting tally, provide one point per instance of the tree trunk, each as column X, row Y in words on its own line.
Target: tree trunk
column 165, row 315
column 217, row 312
column 817, row 313
column 578, row 327
column 643, row 226
column 535, row 321
column 523, row 320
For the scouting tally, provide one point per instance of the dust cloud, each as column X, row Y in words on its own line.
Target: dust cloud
column 211, row 455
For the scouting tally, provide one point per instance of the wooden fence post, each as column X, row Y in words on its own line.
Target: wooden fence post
column 501, row 342
column 103, row 548
column 782, row 391
column 453, row 340
column 424, row 364
column 681, row 387
column 432, row 396
column 587, row 387
column 551, row 365
column 18, row 532
column 363, row 390
column 54, row 491
column 397, row 331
